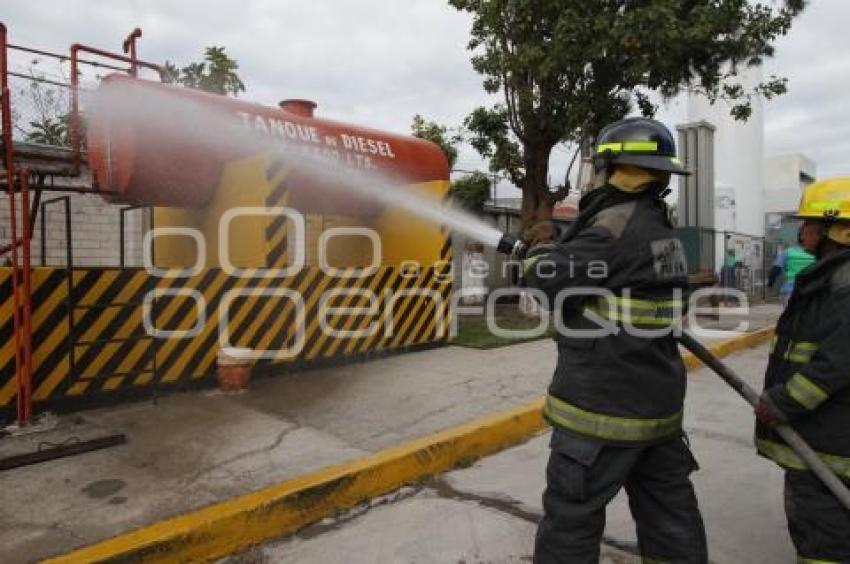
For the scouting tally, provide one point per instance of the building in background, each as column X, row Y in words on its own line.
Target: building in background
column 738, row 156
column 785, row 178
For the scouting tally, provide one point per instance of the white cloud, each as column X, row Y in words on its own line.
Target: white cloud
column 811, row 117
column 376, row 63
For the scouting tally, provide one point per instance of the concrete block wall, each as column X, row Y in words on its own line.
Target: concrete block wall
column 499, row 266
column 95, row 232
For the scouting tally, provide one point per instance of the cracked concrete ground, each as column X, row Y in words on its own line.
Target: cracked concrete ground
column 190, row 450
column 488, row 512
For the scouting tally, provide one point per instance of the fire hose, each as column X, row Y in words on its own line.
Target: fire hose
column 516, row 247
column 789, row 435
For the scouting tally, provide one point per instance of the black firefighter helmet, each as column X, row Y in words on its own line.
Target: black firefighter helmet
column 638, row 141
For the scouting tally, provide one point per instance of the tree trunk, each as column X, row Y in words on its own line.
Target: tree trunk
column 530, row 205
column 536, row 204
column 587, row 176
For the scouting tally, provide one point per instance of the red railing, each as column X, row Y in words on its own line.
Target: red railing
column 21, row 272
column 76, row 48
column 18, row 187
column 25, row 301
column 129, row 46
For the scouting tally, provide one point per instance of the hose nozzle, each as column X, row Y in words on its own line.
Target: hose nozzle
column 510, row 245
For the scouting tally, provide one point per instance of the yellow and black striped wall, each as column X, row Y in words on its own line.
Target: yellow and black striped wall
column 90, row 345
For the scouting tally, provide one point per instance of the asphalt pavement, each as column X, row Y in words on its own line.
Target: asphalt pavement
column 488, row 512
column 190, row 450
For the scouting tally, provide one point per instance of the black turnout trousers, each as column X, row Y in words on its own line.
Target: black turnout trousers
column 818, row 523
column 583, row 476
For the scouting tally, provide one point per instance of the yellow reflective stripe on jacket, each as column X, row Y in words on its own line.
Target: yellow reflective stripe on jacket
column 609, row 427
column 528, row 264
column 801, row 351
column 636, row 146
column 805, row 392
column 787, row 458
column 631, row 310
column 804, row 560
column 796, row 351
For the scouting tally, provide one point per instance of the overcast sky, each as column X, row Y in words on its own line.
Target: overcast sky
column 378, row 62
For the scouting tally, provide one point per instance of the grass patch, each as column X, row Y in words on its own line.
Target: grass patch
column 474, row 333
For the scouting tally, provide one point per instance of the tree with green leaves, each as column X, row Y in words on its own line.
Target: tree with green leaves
column 50, row 130
column 437, row 134
column 472, row 191
column 565, row 68
column 47, row 114
column 216, row 73
column 50, row 120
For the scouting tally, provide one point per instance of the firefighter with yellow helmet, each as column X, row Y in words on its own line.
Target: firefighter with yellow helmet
column 807, row 383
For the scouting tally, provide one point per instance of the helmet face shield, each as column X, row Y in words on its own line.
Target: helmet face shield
column 640, row 142
column 653, row 162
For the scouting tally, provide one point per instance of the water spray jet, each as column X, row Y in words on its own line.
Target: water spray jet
column 165, row 145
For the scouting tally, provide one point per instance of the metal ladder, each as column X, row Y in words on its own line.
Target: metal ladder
column 73, row 306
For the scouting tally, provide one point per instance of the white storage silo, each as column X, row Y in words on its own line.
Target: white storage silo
column 738, row 158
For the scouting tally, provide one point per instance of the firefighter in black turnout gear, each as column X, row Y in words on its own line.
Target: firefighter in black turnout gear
column 616, row 281
column 808, row 377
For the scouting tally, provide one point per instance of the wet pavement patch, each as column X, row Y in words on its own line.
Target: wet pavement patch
column 104, row 488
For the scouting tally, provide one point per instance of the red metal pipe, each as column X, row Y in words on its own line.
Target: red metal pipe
column 74, row 133
column 74, row 121
column 130, row 47
column 6, row 109
column 6, row 123
column 62, row 57
column 25, row 373
column 8, row 157
column 95, row 51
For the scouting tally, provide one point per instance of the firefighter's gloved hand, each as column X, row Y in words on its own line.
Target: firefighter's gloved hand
column 534, row 254
column 540, row 232
column 767, row 413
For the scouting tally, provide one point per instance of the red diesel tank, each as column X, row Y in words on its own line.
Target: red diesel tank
column 166, row 145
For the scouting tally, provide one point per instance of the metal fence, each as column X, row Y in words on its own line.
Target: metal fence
column 40, row 92
column 737, row 260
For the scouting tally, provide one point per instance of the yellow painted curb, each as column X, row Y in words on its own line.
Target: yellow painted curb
column 730, row 346
column 230, row 526
column 234, row 525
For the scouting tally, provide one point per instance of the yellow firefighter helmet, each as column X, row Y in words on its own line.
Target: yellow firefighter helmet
column 829, row 201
